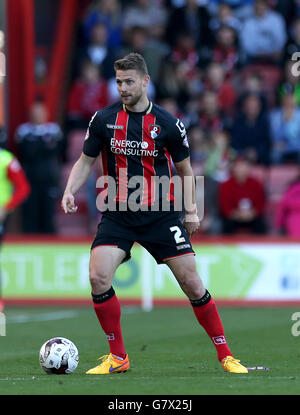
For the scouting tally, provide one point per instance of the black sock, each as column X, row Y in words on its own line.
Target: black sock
column 202, row 301
column 101, row 298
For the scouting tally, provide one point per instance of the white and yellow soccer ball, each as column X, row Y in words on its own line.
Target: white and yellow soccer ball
column 59, row 356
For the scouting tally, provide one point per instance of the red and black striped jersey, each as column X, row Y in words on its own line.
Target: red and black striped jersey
column 136, row 144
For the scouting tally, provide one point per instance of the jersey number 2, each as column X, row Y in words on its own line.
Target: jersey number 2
column 178, row 238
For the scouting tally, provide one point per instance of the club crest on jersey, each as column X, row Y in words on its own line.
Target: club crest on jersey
column 154, row 130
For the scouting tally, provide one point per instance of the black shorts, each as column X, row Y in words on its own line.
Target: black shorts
column 164, row 237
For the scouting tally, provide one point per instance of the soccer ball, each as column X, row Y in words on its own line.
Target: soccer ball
column 59, row 356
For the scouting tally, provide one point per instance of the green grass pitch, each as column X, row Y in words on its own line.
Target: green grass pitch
column 169, row 352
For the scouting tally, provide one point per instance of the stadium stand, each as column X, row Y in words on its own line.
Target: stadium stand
column 212, row 32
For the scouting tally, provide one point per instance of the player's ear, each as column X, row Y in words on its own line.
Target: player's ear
column 146, row 80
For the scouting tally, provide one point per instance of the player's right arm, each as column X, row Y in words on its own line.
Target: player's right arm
column 78, row 176
column 82, row 168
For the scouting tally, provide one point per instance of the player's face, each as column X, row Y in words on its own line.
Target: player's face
column 132, row 86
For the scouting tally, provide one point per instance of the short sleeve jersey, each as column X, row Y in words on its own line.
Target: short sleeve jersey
column 135, row 144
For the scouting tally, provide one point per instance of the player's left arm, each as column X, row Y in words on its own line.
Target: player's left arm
column 178, row 147
column 185, row 172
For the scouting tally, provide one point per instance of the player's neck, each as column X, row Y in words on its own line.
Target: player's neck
column 140, row 106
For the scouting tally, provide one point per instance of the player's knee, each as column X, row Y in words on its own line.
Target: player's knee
column 191, row 284
column 100, row 279
column 194, row 287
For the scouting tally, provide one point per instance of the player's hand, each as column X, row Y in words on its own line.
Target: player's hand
column 68, row 203
column 191, row 223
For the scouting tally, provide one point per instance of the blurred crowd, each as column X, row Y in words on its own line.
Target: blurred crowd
column 226, row 69
column 229, row 70
column 219, row 65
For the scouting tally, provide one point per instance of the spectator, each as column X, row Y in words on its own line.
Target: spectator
column 216, row 81
column 40, row 146
column 190, row 18
column 217, row 164
column 287, row 217
column 138, row 41
column 145, row 14
column 263, row 36
column 88, row 94
column 251, row 132
column 224, row 17
column 175, row 82
column 216, row 171
column 98, row 52
column 242, row 200
column 210, row 117
column 185, row 50
column 285, row 131
column 252, row 84
column 180, row 71
column 242, row 9
column 225, row 50
column 199, row 145
column 109, row 13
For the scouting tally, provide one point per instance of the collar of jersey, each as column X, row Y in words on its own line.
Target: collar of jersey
column 147, row 110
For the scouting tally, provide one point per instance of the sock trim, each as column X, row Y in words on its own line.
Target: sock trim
column 101, row 298
column 201, row 301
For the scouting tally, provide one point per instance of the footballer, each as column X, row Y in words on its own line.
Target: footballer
column 136, row 137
